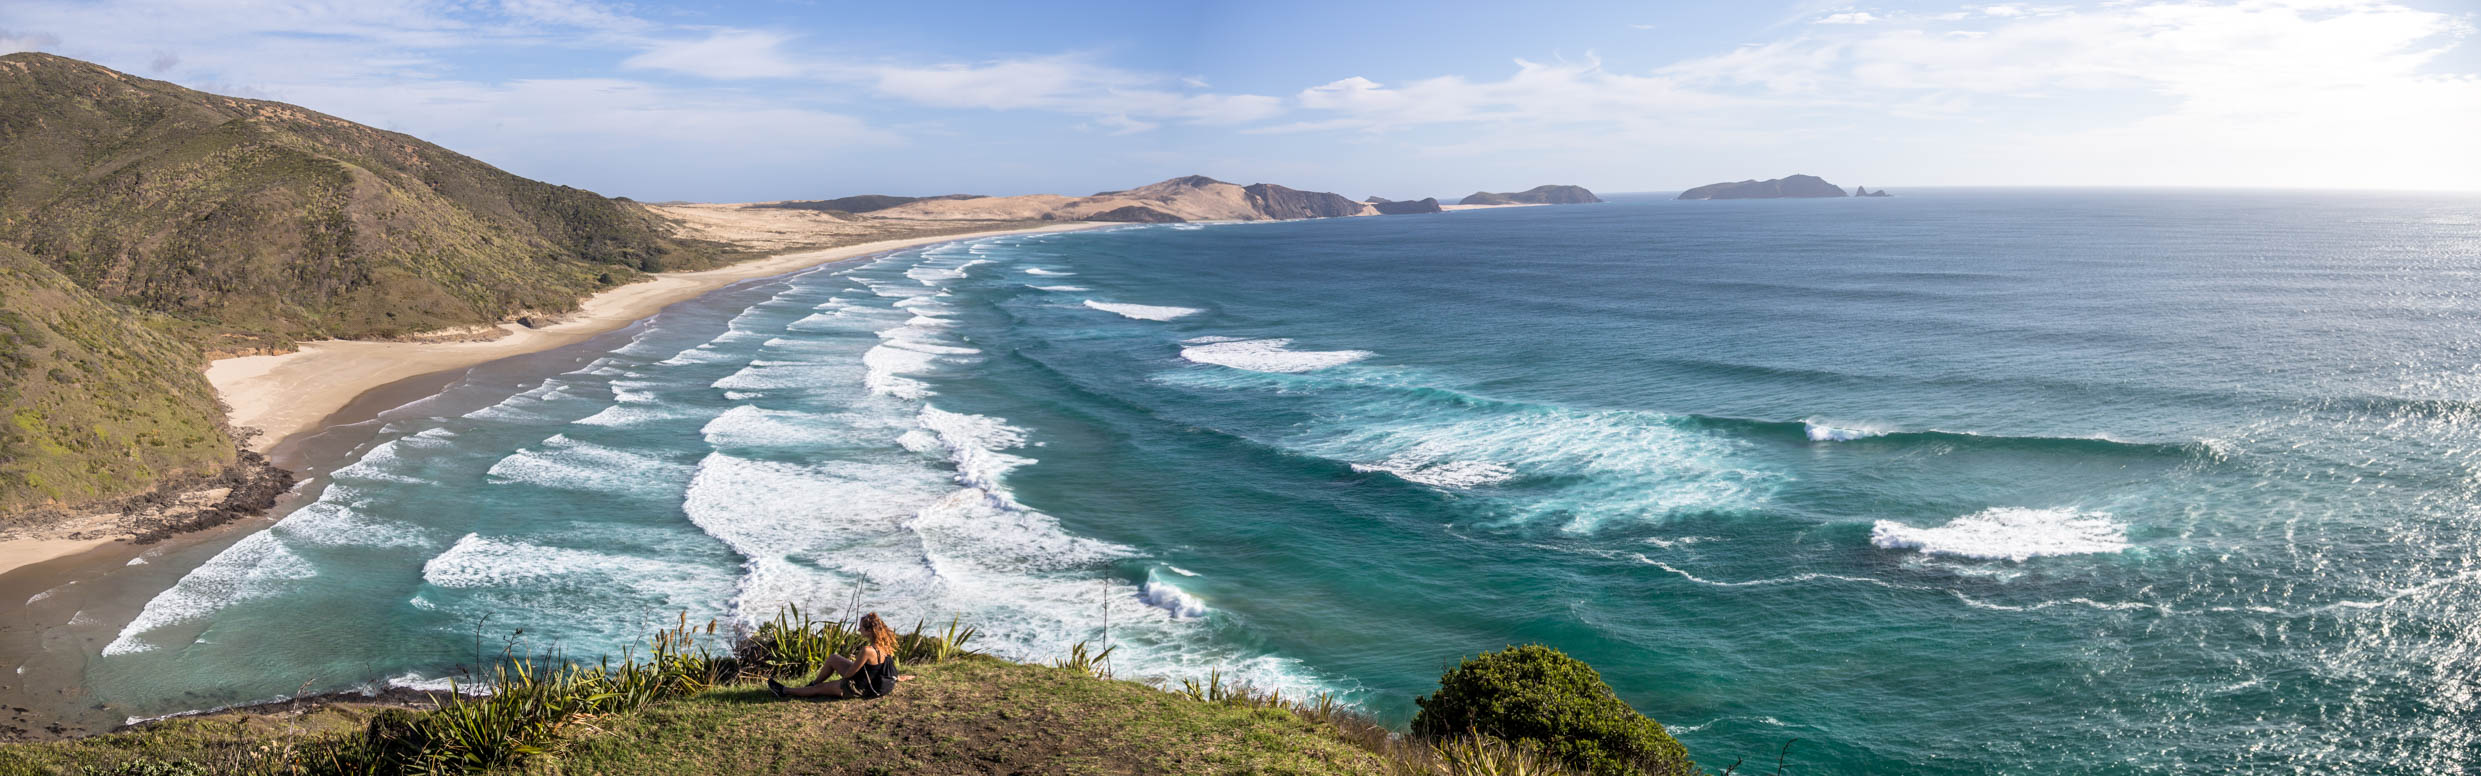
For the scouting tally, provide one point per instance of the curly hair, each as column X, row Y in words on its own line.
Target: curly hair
column 877, row 634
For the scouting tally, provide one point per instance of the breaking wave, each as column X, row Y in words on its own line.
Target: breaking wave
column 2009, row 533
column 1144, row 312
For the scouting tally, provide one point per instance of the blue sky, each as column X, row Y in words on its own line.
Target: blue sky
column 772, row 100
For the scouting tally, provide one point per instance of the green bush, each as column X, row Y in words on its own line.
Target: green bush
column 1537, row 694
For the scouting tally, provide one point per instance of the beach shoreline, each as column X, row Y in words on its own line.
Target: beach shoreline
column 293, row 396
column 327, row 387
column 288, row 395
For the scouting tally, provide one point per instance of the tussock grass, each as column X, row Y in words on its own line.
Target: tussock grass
column 689, row 702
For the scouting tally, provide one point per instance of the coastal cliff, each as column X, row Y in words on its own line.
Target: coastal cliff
column 1390, row 207
column 1278, row 202
column 1787, row 187
column 1538, row 195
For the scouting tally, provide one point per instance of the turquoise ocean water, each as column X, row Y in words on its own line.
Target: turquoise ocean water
column 2039, row 482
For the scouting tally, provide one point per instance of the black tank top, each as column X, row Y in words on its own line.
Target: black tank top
column 874, row 680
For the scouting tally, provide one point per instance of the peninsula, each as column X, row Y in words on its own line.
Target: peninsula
column 1787, row 187
column 1554, row 194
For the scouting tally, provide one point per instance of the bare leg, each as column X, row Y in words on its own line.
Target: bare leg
column 828, row 690
column 836, row 666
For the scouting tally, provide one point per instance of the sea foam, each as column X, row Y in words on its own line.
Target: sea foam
column 1821, row 432
column 1170, row 598
column 2009, row 533
column 259, row 565
column 1268, row 355
column 1143, row 312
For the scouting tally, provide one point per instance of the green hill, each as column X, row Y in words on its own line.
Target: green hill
column 103, row 400
column 268, row 222
column 157, row 223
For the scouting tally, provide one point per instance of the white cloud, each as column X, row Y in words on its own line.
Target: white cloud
column 1070, row 84
column 722, row 54
column 1537, row 93
column 12, row 42
column 2314, row 90
column 582, row 14
column 606, row 111
column 2331, row 90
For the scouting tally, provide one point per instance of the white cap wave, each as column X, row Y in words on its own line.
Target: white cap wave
column 2009, row 533
column 1265, row 355
column 1143, row 312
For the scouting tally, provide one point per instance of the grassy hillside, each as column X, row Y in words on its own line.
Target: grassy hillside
column 102, row 400
column 684, row 706
column 963, row 716
column 267, row 222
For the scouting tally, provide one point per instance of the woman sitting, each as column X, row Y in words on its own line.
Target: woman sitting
column 868, row 675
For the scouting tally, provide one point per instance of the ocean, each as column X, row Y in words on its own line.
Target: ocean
column 1961, row 481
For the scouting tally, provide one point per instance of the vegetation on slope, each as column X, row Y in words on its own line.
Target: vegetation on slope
column 102, row 400
column 268, row 222
column 1536, row 693
column 160, row 224
column 685, row 707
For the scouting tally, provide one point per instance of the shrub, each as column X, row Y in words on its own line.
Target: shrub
column 1537, row 694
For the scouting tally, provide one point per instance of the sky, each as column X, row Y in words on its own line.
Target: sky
column 746, row 101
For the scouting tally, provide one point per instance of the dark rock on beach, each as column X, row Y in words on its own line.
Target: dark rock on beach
column 251, row 487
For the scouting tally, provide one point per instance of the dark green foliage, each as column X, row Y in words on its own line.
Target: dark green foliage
column 1536, row 694
column 793, row 645
column 276, row 223
column 689, row 709
column 102, row 402
column 159, row 768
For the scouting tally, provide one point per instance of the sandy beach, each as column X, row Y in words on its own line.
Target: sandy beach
column 286, row 395
column 289, row 395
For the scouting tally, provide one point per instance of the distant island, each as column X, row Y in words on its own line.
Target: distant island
column 1787, row 187
column 1538, row 195
column 1392, row 207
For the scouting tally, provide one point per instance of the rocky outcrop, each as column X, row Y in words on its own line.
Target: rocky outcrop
column 1136, row 214
column 1863, row 191
column 1787, row 187
column 1387, row 207
column 1538, row 195
column 1281, row 202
